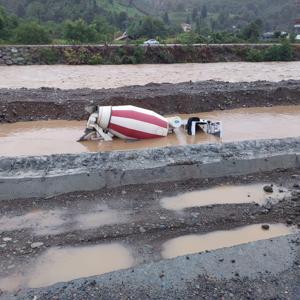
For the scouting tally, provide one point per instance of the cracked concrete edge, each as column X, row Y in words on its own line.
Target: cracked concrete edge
column 251, row 261
column 147, row 158
column 29, row 187
column 228, row 160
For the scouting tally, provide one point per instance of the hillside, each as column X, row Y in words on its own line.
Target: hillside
column 276, row 14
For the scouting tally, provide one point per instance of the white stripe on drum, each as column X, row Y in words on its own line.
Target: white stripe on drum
column 138, row 109
column 139, row 125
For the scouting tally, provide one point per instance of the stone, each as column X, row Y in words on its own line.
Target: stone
column 268, row 189
column 7, row 239
column 36, row 245
column 265, row 227
column 142, row 229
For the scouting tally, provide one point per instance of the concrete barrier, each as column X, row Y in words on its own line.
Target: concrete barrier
column 45, row 176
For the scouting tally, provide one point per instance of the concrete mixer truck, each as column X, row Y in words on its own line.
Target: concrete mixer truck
column 131, row 122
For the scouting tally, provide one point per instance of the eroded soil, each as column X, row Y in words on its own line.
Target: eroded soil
column 189, row 97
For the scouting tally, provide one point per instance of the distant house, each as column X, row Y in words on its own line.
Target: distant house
column 267, row 36
column 271, row 36
column 297, row 26
column 186, row 27
column 124, row 37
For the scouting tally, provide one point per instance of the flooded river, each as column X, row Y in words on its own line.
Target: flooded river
column 50, row 137
column 111, row 76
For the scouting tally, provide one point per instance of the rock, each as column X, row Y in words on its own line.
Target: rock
column 10, row 267
column 296, row 185
column 2, row 245
column 142, row 229
column 7, row 239
column 268, row 189
column 36, row 245
column 289, row 222
column 265, row 227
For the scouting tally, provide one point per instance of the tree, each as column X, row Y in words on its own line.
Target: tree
column 79, row 31
column 166, row 18
column 31, row 33
column 204, row 12
column 194, row 14
column 36, row 10
column 252, row 31
column 122, row 20
column 147, row 27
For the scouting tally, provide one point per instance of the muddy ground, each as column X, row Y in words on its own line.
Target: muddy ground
column 147, row 226
column 47, row 103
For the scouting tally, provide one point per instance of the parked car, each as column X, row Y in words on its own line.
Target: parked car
column 151, row 42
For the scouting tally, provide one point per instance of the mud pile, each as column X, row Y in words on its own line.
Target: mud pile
column 189, row 97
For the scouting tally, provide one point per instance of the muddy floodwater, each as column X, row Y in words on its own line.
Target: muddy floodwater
column 53, row 137
column 111, row 76
column 193, row 243
column 227, row 194
column 65, row 264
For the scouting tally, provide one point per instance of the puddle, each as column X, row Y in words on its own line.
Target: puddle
column 61, row 265
column 52, row 222
column 111, row 76
column 39, row 221
column 97, row 219
column 50, row 137
column 228, row 194
column 193, row 243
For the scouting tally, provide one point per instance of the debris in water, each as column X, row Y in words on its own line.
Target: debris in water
column 268, row 189
column 265, row 226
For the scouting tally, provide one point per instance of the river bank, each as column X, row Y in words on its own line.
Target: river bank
column 137, row 54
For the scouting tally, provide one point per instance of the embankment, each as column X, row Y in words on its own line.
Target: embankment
column 130, row 54
column 189, row 97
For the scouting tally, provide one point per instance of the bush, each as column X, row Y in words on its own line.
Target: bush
column 96, row 59
column 49, row 56
column 190, row 38
column 138, row 55
column 31, row 33
column 79, row 32
column 283, row 52
column 255, row 55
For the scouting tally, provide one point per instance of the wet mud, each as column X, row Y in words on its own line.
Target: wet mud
column 148, row 234
column 54, row 137
column 185, row 98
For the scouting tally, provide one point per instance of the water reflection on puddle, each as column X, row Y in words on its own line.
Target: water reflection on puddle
column 228, row 194
column 51, row 222
column 61, row 265
column 193, row 243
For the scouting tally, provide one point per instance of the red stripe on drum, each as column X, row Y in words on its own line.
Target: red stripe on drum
column 130, row 114
column 132, row 133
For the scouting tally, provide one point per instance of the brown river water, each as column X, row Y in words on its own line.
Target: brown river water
column 111, row 76
column 53, row 137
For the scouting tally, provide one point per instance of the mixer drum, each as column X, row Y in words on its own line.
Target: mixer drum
column 131, row 122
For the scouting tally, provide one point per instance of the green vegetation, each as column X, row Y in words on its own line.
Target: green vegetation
column 282, row 52
column 101, row 21
column 31, row 33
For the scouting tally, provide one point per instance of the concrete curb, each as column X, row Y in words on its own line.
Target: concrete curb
column 45, row 176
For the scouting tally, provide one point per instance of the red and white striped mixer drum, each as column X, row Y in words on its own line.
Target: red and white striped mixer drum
column 131, row 122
